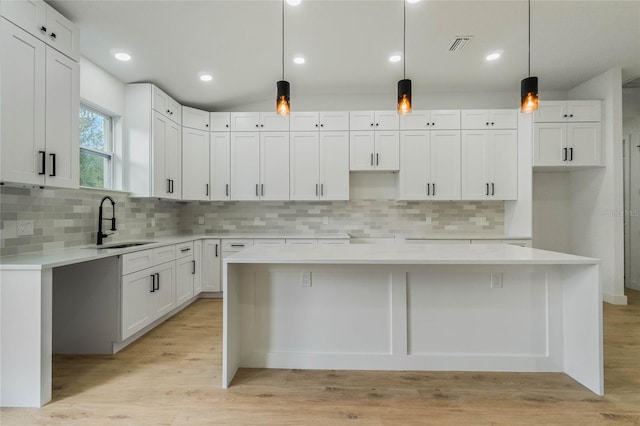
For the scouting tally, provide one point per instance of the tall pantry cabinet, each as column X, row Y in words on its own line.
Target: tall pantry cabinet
column 40, row 96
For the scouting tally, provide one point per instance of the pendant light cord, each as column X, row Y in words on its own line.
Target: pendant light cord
column 282, row 39
column 529, row 38
column 404, row 38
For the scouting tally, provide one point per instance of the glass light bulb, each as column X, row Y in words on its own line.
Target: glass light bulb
column 404, row 106
column 282, row 106
column 530, row 103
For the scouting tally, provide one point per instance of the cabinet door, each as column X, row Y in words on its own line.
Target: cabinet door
column 474, row 165
column 415, row 173
column 334, row 120
column 584, row 144
column 195, row 164
column 503, row 163
column 62, row 34
column 475, row 119
column 161, row 183
column 245, row 165
column 361, row 150
column 444, row 161
column 274, row 165
column 197, row 277
column 305, row 165
column 503, row 119
column 272, row 122
column 164, row 104
column 173, row 159
column 417, row 120
column 22, row 102
column 30, row 15
column 62, row 121
column 387, row 150
column 445, row 119
column 163, row 299
column 361, row 120
column 304, row 121
column 245, row 121
column 185, row 271
column 195, row 118
column 219, row 121
column 584, row 111
column 550, row 112
column 549, row 144
column 334, row 165
column 387, row 120
column 211, row 265
column 220, row 164
column 137, row 289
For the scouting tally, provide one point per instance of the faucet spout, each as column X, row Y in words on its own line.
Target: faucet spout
column 101, row 235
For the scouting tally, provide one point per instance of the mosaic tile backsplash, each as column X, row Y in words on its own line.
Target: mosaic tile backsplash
column 67, row 218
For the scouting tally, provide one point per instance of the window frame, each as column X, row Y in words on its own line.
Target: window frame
column 109, row 138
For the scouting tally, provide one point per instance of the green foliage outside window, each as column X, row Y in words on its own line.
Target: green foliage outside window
column 95, row 149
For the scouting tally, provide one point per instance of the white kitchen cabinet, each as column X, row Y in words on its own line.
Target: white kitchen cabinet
column 211, row 265
column 220, row 165
column 195, row 164
column 166, row 105
column 197, row 276
column 195, row 118
column 45, row 23
column 220, row 121
column 154, row 155
column 568, row 111
column 495, row 119
column 185, row 272
column 430, row 165
column 259, row 121
column 489, row 165
column 40, row 100
column 377, row 150
column 319, row 166
column 567, row 134
column 374, row 120
column 319, row 121
column 259, row 166
column 434, row 120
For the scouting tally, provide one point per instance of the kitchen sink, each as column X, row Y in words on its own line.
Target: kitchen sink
column 122, row 245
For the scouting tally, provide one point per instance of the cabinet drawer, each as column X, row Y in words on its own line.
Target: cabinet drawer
column 236, row 245
column 137, row 261
column 307, row 241
column 184, row 250
column 164, row 254
column 268, row 241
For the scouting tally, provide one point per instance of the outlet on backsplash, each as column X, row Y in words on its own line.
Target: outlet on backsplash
column 25, row 227
column 427, row 220
column 200, row 220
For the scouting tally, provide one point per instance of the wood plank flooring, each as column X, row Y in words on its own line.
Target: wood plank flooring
column 172, row 377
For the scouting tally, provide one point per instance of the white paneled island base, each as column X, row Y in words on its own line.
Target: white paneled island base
column 413, row 307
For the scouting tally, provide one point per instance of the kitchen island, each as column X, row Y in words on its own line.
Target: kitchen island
column 493, row 307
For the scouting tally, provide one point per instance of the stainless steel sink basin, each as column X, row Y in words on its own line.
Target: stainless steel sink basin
column 122, row 245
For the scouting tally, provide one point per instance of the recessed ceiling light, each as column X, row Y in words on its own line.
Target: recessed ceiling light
column 493, row 56
column 122, row 56
column 413, row 1
column 206, row 77
column 299, row 60
column 294, row 2
column 395, row 58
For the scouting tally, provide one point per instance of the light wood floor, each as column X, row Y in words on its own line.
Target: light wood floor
column 172, row 377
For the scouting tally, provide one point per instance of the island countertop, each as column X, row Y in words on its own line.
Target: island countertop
column 409, row 254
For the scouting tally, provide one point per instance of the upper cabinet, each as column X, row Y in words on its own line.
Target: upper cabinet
column 166, row 105
column 45, row 23
column 567, row 134
column 374, row 120
column 374, row 140
column 195, row 118
column 259, row 122
column 490, row 119
column 431, row 120
column 154, row 142
column 220, row 121
column 319, row 121
column 39, row 100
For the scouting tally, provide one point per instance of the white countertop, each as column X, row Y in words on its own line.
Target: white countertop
column 71, row 255
column 410, row 254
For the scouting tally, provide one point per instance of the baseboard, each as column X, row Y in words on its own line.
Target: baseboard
column 615, row 299
column 210, row 295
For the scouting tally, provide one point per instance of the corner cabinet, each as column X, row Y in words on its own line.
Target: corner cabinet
column 567, row 134
column 154, row 155
column 195, row 155
column 40, row 102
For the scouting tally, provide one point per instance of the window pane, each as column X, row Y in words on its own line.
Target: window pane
column 95, row 130
column 95, row 170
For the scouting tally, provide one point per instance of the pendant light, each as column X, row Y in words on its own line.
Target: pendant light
column 282, row 87
column 404, row 85
column 529, row 85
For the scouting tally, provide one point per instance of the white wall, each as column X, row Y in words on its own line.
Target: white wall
column 631, row 132
column 597, row 194
column 551, row 211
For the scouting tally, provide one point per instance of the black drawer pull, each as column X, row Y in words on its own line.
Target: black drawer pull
column 43, row 159
column 185, row 249
column 53, row 165
column 153, row 283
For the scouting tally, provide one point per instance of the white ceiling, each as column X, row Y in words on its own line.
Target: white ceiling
column 347, row 44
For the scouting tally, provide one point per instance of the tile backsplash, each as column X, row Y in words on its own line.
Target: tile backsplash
column 67, row 218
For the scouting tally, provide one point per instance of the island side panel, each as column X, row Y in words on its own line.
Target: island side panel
column 583, row 326
column 25, row 355
column 231, row 320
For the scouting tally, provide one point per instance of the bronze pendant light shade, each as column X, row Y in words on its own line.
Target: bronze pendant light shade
column 529, row 85
column 283, row 91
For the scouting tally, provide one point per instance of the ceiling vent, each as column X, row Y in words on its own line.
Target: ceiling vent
column 459, row 43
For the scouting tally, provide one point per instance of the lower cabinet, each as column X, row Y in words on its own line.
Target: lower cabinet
column 197, row 276
column 185, row 272
column 211, row 265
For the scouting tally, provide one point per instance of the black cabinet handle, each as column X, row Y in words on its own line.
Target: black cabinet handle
column 257, row 125
column 434, row 189
column 157, row 281
column 377, row 159
column 433, row 124
column 53, row 164
column 428, row 188
column 493, row 188
column 262, row 189
column 193, row 272
column 428, row 124
column 186, row 249
column 43, row 29
column 316, row 125
column 322, row 125
column 564, row 115
column 53, row 35
column 377, row 124
column 226, row 125
column 216, row 250
column 206, row 125
column 256, row 190
column 168, row 186
column 153, row 283
column 322, row 189
column 570, row 115
column 226, row 190
column 371, row 124
column 564, row 154
column 487, row 189
column 237, row 245
column 487, row 123
column 570, row 154
column 207, row 189
column 43, row 162
column 316, row 189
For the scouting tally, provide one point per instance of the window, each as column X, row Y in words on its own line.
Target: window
column 96, row 148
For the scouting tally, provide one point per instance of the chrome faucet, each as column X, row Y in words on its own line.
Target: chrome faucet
column 101, row 234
